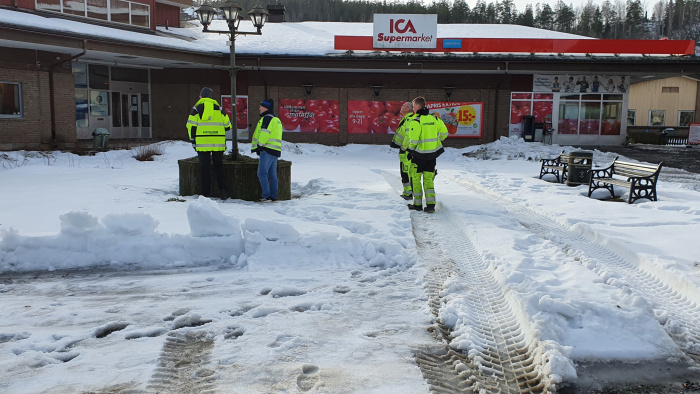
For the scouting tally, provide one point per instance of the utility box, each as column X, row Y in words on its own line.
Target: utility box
column 580, row 163
column 100, row 139
column 529, row 128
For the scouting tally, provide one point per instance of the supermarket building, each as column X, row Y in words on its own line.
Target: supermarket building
column 130, row 67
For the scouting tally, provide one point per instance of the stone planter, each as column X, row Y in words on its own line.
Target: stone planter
column 241, row 178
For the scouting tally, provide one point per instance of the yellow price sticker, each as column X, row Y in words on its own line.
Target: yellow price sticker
column 466, row 115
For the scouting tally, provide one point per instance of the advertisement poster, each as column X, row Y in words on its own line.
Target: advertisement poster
column 580, row 83
column 309, row 116
column 463, row 119
column 99, row 103
column 539, row 105
column 694, row 134
column 241, row 116
column 373, row 117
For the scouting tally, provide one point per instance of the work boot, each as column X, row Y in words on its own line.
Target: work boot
column 429, row 208
column 407, row 196
column 414, row 207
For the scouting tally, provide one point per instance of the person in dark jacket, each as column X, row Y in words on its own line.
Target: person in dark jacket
column 207, row 126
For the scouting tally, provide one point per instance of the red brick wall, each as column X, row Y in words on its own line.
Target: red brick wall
column 33, row 130
column 25, row 4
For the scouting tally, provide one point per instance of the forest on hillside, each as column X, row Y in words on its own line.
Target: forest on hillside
column 618, row 19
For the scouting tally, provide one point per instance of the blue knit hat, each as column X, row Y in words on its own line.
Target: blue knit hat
column 268, row 103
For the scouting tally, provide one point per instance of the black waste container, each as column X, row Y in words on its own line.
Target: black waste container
column 529, row 128
column 580, row 163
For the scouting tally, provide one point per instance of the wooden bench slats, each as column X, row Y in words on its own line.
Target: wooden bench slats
column 640, row 178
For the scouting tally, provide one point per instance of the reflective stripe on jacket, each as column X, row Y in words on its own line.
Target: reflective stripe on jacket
column 207, row 126
column 425, row 142
column 401, row 132
column 268, row 135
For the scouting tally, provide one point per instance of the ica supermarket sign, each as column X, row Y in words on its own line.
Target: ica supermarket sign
column 405, row 31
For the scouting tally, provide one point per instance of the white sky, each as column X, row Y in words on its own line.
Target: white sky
column 329, row 292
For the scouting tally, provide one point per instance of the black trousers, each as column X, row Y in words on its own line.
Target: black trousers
column 205, row 167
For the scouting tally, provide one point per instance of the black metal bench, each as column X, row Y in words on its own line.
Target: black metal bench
column 639, row 178
column 558, row 165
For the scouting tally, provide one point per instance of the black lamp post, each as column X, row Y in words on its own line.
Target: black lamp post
column 232, row 14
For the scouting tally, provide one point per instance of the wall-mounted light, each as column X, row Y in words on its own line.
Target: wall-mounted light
column 448, row 90
column 377, row 89
column 308, row 88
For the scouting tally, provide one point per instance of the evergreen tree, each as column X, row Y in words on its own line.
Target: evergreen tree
column 527, row 18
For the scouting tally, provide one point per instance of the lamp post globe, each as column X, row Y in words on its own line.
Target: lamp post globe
column 231, row 11
column 205, row 14
column 259, row 16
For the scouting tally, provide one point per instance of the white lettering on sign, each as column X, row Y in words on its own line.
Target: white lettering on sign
column 402, row 31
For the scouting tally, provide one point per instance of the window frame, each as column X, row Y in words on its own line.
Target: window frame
column 678, row 122
column 20, row 98
column 663, row 119
column 38, row 7
column 632, row 112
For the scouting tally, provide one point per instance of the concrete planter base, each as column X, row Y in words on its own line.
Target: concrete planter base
column 241, row 178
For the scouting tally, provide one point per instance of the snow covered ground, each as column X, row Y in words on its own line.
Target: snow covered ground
column 111, row 282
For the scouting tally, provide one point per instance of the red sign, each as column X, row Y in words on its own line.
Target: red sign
column 463, row 119
column 373, row 117
column 309, row 116
column 241, row 114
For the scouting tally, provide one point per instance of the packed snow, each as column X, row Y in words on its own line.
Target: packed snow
column 105, row 269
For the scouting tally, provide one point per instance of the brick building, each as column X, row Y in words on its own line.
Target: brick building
column 131, row 68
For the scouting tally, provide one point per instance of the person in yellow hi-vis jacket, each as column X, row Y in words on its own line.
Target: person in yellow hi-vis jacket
column 267, row 143
column 424, row 147
column 397, row 142
column 206, row 127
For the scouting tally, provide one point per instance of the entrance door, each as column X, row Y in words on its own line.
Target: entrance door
column 131, row 115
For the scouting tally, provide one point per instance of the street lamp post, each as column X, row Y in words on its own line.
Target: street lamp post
column 232, row 14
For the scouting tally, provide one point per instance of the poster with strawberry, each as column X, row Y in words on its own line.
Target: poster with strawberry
column 309, row 116
column 463, row 119
column 373, row 117
column 241, row 118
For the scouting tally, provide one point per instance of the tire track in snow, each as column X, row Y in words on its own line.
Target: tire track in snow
column 183, row 365
column 669, row 296
column 503, row 358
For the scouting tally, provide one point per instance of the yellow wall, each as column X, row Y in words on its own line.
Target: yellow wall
column 645, row 96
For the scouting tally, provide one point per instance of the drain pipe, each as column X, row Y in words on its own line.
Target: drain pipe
column 51, row 94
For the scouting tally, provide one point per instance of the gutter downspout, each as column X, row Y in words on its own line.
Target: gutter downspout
column 51, row 93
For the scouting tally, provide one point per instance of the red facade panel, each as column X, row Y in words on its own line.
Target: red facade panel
column 23, row 4
column 167, row 15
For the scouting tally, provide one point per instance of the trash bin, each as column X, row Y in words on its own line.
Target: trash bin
column 580, row 163
column 529, row 128
column 100, row 139
column 539, row 132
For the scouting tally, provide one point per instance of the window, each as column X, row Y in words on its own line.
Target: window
column 120, row 11
column 657, row 117
column 81, row 108
column 10, row 100
column 670, row 89
column 80, row 75
column 685, row 118
column 99, row 76
column 631, row 117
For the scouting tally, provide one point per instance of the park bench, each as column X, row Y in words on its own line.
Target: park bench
column 557, row 166
column 639, row 178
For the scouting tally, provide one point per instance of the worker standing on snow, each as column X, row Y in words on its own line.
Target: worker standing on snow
column 401, row 134
column 424, row 147
column 206, row 127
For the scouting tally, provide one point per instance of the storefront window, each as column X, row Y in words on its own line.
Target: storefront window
column 129, row 74
column 116, row 110
column 99, row 77
column 10, row 100
column 81, row 108
column 631, row 117
column 568, row 117
column 80, row 75
column 612, row 118
column 590, row 118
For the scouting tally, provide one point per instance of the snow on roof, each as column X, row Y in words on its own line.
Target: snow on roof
column 300, row 38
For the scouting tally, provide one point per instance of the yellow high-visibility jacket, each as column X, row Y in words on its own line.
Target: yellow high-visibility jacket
column 207, row 126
